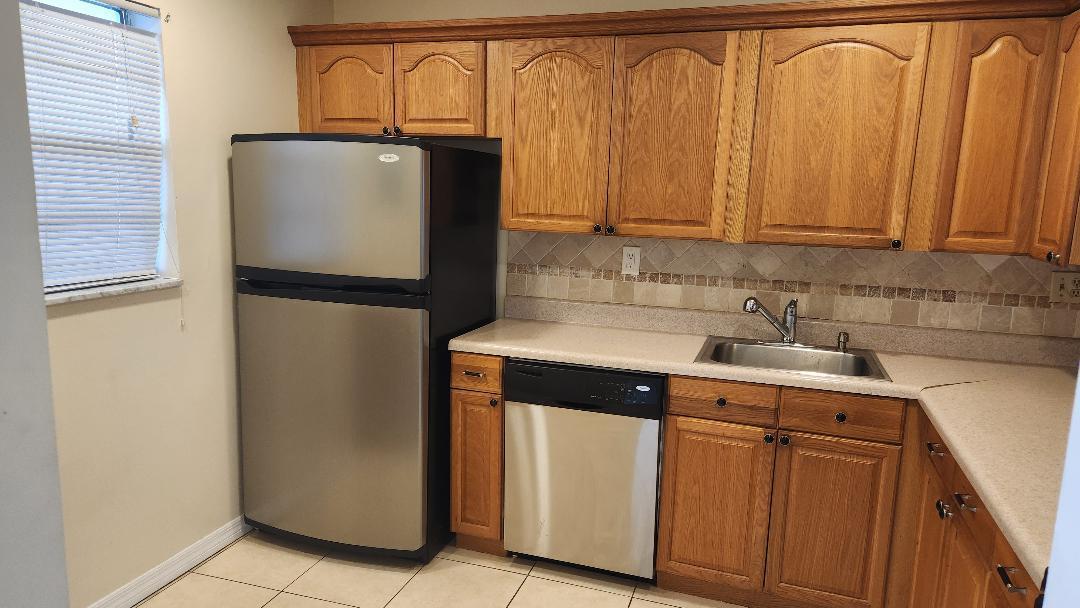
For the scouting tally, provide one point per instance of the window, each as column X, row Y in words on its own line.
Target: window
column 94, row 91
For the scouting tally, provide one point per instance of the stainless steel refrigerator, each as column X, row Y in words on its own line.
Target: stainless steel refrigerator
column 357, row 259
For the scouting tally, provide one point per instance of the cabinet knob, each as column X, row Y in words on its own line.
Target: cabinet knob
column 386, row 130
column 935, row 449
column 1052, row 257
column 944, row 511
column 721, row 402
column 840, row 417
column 597, row 228
column 397, row 130
column 785, row 440
column 769, row 438
column 897, row 244
column 610, row 229
column 494, row 402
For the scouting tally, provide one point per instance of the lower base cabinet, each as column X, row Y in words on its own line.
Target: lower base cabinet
column 832, row 514
column 476, row 456
column 714, row 511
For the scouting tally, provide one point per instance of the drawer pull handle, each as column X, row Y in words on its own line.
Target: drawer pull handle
column 721, row 402
column 1004, row 573
column 472, row 374
column 841, row 417
column 961, row 501
column 944, row 511
column 935, row 449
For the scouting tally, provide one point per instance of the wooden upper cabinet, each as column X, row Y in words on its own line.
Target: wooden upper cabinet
column 1055, row 219
column 550, row 102
column 714, row 504
column 834, row 138
column 832, row 511
column 993, row 133
column 439, row 88
column 671, row 134
column 476, row 456
column 345, row 88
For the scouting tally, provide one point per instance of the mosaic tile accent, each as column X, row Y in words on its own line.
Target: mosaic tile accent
column 948, row 290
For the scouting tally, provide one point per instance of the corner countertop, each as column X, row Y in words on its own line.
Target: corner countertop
column 1006, row 424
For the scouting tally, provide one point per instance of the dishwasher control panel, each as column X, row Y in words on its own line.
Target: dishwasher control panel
column 622, row 393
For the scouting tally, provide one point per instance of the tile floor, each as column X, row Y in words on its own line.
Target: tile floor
column 262, row 571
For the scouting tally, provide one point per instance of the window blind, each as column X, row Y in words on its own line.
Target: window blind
column 94, row 93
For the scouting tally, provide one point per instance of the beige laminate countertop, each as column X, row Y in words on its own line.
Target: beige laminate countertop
column 1006, row 424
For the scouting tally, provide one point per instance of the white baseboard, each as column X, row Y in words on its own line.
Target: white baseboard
column 167, row 571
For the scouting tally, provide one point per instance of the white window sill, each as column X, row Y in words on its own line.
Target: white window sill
column 108, row 291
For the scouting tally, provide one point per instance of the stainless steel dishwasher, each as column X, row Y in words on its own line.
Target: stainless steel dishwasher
column 582, row 460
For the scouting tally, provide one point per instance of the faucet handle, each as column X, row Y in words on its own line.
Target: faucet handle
column 751, row 304
column 841, row 341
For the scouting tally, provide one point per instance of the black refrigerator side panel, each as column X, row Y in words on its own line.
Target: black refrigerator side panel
column 464, row 225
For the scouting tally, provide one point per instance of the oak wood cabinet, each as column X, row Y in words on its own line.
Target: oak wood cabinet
column 423, row 88
column 714, row 511
column 832, row 511
column 671, row 120
column 1053, row 238
column 476, row 464
column 345, row 88
column 982, row 155
column 550, row 102
column 834, row 141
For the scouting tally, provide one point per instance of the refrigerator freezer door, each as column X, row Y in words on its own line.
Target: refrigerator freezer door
column 328, row 207
column 333, row 416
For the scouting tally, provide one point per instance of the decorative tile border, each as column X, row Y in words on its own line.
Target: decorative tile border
column 1031, row 314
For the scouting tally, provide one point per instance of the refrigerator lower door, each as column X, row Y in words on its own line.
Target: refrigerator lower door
column 333, row 414
column 331, row 207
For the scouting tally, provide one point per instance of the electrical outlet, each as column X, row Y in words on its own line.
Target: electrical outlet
column 1064, row 287
column 631, row 260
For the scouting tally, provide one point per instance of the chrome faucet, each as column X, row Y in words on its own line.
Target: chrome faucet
column 787, row 327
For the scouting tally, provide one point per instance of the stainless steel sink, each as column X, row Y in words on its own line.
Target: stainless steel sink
column 791, row 357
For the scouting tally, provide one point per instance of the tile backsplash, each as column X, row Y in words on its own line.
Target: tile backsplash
column 973, row 292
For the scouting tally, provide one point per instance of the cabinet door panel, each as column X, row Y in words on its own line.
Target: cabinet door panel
column 550, row 102
column 671, row 129
column 1055, row 219
column 714, row 504
column 345, row 88
column 964, row 574
column 476, row 464
column 439, row 88
column 832, row 510
column 994, row 135
column 930, row 535
column 834, row 140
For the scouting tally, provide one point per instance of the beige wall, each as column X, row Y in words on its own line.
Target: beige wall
column 353, row 11
column 145, row 384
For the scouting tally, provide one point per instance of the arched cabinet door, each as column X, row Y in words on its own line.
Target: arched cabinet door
column 834, row 137
column 1055, row 220
column 550, row 102
column 439, row 88
column 674, row 98
column 346, row 88
column 994, row 134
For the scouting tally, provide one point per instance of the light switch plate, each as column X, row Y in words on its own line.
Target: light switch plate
column 1064, row 287
column 631, row 260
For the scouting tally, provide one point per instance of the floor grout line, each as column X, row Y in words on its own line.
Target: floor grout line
column 272, row 598
column 304, row 572
column 418, row 570
column 232, row 580
column 518, row 590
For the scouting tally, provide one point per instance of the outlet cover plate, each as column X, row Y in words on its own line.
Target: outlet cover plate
column 1065, row 287
column 631, row 260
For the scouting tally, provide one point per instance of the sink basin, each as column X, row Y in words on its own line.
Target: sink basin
column 798, row 358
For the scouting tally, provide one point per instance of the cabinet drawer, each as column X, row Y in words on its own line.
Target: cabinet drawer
column 753, row 404
column 1005, row 559
column 476, row 372
column 934, row 449
column 841, row 414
